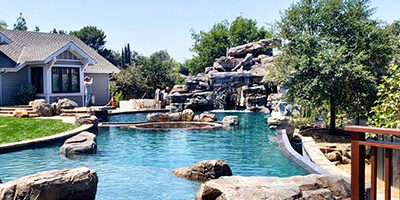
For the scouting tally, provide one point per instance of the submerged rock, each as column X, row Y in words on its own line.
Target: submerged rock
column 83, row 143
column 204, row 170
column 66, row 184
column 297, row 187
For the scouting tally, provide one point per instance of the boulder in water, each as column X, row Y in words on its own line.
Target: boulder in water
column 204, row 170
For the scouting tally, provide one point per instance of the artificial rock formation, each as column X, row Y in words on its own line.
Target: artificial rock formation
column 208, row 117
column 66, row 184
column 233, row 82
column 204, row 170
column 186, row 115
column 257, row 188
column 86, row 119
column 83, row 143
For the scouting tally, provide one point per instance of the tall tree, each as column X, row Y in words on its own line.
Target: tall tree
column 92, row 36
column 21, row 23
column 3, row 24
column 213, row 44
column 37, row 29
column 334, row 55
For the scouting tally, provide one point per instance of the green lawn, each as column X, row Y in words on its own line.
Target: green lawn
column 19, row 129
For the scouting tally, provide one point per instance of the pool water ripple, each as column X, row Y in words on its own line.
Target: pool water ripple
column 133, row 164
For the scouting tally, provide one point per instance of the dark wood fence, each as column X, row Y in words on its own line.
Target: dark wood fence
column 358, row 144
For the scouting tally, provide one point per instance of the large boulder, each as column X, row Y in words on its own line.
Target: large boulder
column 230, row 121
column 208, row 117
column 204, row 170
column 179, row 89
column 66, row 184
column 282, row 122
column 41, row 107
column 157, row 117
column 253, row 48
column 83, row 143
column 226, row 63
column 86, row 119
column 67, row 103
column 187, row 115
column 257, row 188
column 164, row 117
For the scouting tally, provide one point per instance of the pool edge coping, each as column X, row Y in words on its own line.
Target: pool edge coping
column 42, row 141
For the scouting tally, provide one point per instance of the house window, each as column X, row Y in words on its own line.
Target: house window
column 37, row 78
column 65, row 80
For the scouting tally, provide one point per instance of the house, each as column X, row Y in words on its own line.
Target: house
column 55, row 64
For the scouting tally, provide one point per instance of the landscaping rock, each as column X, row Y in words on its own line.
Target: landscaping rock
column 187, row 115
column 179, row 89
column 319, row 194
column 83, row 143
column 230, row 121
column 345, row 160
column 164, row 117
column 282, row 122
column 86, row 119
column 66, row 184
column 157, row 117
column 196, row 118
column 296, row 187
column 339, row 186
column 208, row 117
column 20, row 113
column 41, row 107
column 204, row 170
column 333, row 156
column 67, row 103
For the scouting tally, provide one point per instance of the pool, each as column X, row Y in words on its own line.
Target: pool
column 134, row 164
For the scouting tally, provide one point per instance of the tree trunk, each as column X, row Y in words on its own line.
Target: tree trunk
column 332, row 125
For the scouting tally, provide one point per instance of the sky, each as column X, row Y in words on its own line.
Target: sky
column 152, row 25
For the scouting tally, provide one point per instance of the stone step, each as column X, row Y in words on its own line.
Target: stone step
column 68, row 114
column 74, row 111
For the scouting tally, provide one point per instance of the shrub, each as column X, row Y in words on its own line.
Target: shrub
column 26, row 93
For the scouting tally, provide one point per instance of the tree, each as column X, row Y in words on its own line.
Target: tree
column 21, row 23
column 159, row 70
column 92, row 36
column 58, row 32
column 214, row 43
column 386, row 113
column 95, row 38
column 334, row 55
column 37, row 29
column 3, row 24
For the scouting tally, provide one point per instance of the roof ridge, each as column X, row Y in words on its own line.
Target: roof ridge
column 36, row 32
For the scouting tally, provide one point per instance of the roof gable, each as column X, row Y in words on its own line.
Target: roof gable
column 4, row 39
column 27, row 47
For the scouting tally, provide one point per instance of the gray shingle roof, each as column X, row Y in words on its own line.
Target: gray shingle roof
column 35, row 46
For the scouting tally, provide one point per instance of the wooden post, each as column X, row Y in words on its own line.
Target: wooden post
column 357, row 167
column 373, row 172
column 388, row 173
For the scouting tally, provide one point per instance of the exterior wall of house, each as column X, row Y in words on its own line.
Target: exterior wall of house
column 11, row 82
column 5, row 61
column 100, row 88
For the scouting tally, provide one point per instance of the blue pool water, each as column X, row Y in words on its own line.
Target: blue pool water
column 137, row 164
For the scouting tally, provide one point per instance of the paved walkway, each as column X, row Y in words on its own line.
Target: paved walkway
column 319, row 158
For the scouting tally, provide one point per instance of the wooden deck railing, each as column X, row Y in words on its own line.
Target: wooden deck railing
column 358, row 144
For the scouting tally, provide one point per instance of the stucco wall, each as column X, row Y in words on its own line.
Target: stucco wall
column 100, row 88
column 11, row 81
